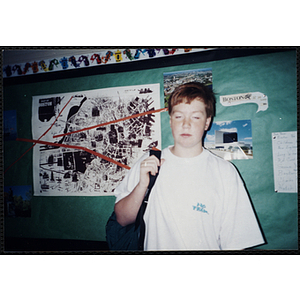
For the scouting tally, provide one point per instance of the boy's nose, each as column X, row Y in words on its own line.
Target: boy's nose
column 186, row 123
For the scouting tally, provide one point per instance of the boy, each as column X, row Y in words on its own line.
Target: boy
column 199, row 201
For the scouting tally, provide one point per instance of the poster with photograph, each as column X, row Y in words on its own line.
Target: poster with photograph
column 87, row 141
column 174, row 79
column 17, row 201
column 230, row 139
column 10, row 125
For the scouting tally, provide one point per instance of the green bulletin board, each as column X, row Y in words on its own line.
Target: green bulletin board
column 84, row 218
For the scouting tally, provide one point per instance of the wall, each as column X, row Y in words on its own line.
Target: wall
column 84, row 218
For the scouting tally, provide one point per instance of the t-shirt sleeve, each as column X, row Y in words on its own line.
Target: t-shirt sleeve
column 239, row 228
column 130, row 180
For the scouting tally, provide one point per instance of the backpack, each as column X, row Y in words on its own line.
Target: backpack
column 130, row 237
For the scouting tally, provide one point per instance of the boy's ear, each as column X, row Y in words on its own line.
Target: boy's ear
column 207, row 124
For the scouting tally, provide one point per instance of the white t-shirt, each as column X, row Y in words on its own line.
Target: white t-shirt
column 197, row 203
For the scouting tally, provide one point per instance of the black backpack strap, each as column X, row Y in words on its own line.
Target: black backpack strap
column 157, row 153
column 140, row 215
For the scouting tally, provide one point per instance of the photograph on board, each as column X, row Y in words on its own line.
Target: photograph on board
column 17, row 201
column 174, row 79
column 230, row 139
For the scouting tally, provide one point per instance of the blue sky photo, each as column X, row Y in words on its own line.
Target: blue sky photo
column 242, row 127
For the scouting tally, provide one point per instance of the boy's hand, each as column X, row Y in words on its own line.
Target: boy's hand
column 149, row 165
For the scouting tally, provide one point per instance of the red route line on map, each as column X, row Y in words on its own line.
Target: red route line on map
column 84, row 129
column 39, row 137
column 112, row 122
column 76, row 147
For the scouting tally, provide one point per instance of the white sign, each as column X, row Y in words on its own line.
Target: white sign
column 259, row 98
column 284, row 146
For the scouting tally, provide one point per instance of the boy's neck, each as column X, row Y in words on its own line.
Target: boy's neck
column 186, row 152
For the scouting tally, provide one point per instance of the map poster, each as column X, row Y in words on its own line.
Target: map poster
column 86, row 141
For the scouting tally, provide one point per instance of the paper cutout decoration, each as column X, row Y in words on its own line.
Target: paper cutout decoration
column 259, row 98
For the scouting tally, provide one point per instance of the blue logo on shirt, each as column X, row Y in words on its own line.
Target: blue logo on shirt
column 200, row 207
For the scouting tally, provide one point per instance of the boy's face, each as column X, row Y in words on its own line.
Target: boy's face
column 188, row 123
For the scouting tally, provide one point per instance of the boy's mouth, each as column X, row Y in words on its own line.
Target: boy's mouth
column 185, row 135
